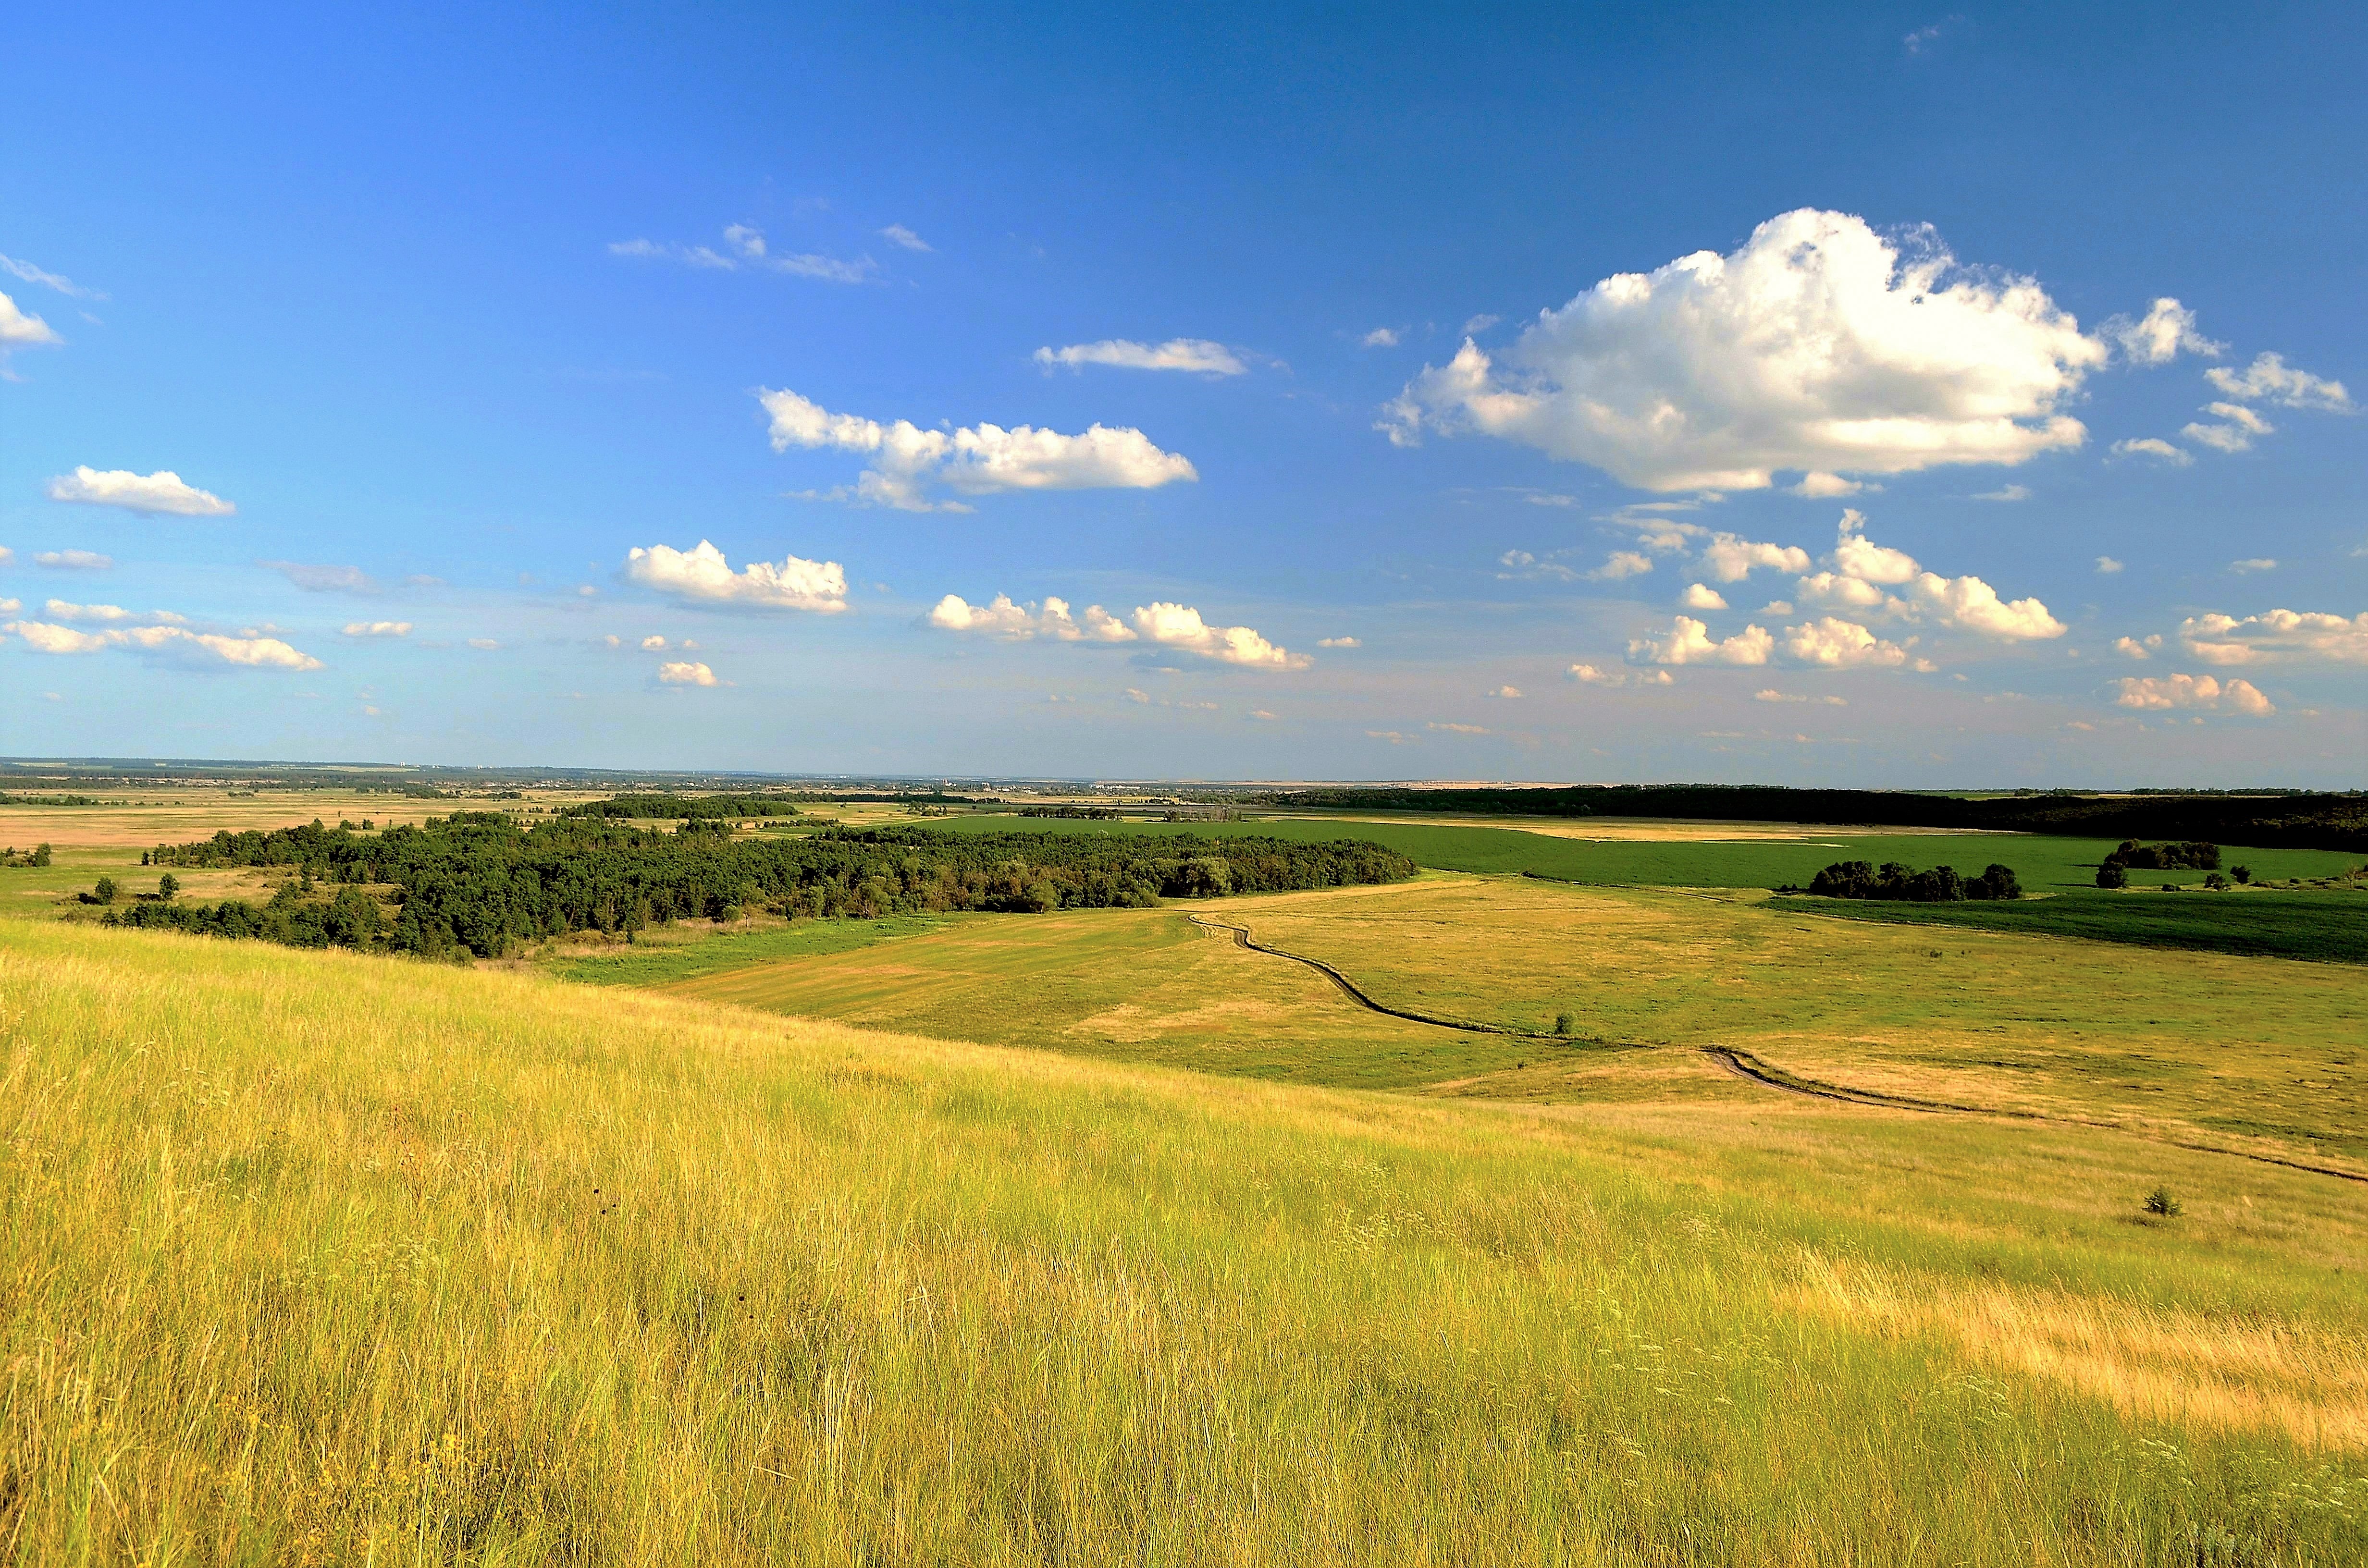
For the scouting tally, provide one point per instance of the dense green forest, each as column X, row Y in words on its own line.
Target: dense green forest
column 479, row 882
column 1942, row 884
column 2296, row 820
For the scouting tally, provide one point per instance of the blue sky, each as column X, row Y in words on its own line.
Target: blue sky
column 1873, row 396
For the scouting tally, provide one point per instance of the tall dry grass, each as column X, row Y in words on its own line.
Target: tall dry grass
column 313, row 1258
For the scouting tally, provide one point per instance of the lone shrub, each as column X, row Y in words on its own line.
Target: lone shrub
column 2216, row 882
column 2112, row 875
column 106, row 890
column 2161, row 1203
column 1564, row 1023
column 2242, row 873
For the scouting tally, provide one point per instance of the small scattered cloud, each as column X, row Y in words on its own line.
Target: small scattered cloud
column 1197, row 354
column 1701, row 596
column 2162, row 335
column 746, row 249
column 1833, row 643
column 1392, row 736
column 2253, row 564
column 324, row 579
column 2234, row 433
column 2208, row 692
column 1480, row 323
column 685, row 673
column 1457, row 729
column 1161, row 623
column 1769, row 693
column 652, row 643
column 1337, row 642
column 1921, row 41
column 2006, row 492
column 2269, row 379
column 484, row 644
column 74, row 560
column 22, row 329
column 1777, row 607
column 1825, row 486
column 703, row 576
column 378, row 629
column 1136, row 694
column 2278, row 636
column 1379, row 337
column 2132, row 648
column 17, row 267
column 1595, row 674
column 2154, row 447
column 1503, row 693
column 1267, row 715
column 1688, row 642
column 174, row 644
column 2107, row 565
column 149, row 494
column 904, row 238
column 60, row 609
column 1621, row 565
column 1519, row 565
column 976, row 459
column 1731, row 559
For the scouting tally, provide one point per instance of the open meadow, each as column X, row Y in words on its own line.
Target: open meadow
column 1100, row 1234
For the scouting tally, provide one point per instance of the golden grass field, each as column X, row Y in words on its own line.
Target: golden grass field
column 1102, row 1239
column 315, row 1257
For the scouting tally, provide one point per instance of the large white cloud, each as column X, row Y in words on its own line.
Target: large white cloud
column 2280, row 636
column 1819, row 346
column 2193, row 691
column 1161, row 622
column 203, row 649
column 1194, row 354
column 1688, row 642
column 163, row 491
column 975, row 459
column 702, row 574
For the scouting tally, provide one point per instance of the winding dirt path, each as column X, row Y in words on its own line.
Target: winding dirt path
column 1242, row 938
column 1743, row 1064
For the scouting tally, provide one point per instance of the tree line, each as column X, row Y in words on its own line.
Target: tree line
column 1942, row 884
column 685, row 808
column 481, row 884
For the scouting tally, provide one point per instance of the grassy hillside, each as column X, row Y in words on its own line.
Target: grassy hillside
column 315, row 1257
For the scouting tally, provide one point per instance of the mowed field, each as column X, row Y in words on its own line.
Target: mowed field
column 317, row 1258
column 2263, row 1052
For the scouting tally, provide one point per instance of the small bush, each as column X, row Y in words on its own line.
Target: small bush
column 2112, row 875
column 2242, row 873
column 2161, row 1203
column 2216, row 882
column 1564, row 1023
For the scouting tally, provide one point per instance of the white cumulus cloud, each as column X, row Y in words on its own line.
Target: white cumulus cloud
column 2234, row 433
column 1337, row 642
column 1000, row 617
column 74, row 560
column 148, row 493
column 904, row 238
column 703, row 575
column 1194, row 354
column 1701, row 596
column 1595, row 674
column 2157, row 692
column 378, row 629
column 1875, row 579
column 2107, row 565
column 1819, row 345
column 2279, row 637
column 1835, row 644
column 684, row 673
column 1180, row 626
column 1621, row 565
column 1688, row 641
column 60, row 609
column 1379, row 337
column 975, row 459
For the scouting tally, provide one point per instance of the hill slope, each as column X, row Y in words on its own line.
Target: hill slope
column 310, row 1257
